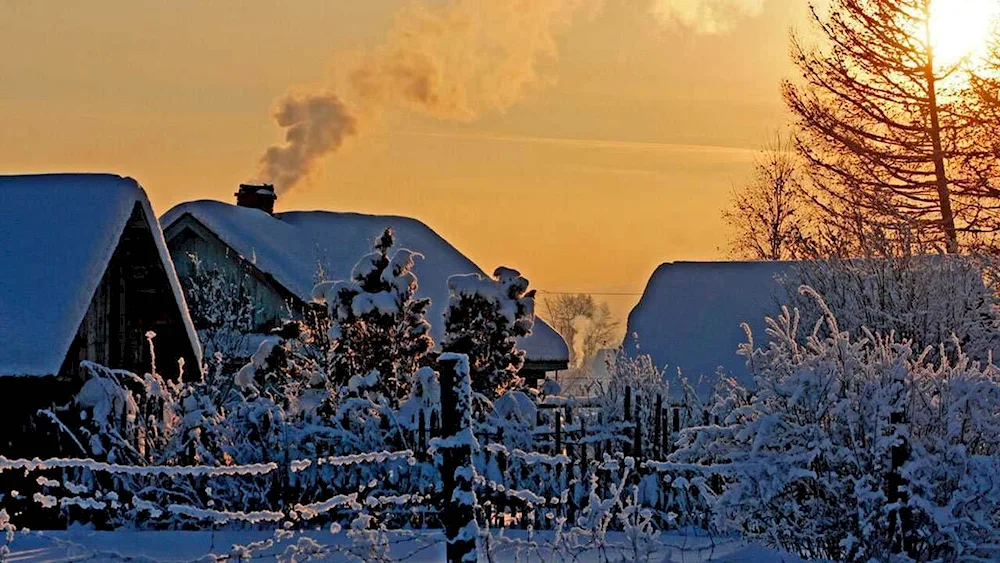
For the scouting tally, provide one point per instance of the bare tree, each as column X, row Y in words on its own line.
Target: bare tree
column 601, row 332
column 563, row 312
column 883, row 126
column 767, row 213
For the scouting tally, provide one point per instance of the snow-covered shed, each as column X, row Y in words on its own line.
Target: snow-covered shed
column 84, row 274
column 281, row 256
column 690, row 315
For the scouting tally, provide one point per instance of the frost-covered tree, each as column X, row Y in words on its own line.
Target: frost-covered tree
column 882, row 125
column 926, row 299
column 377, row 323
column 222, row 307
column 812, row 459
column 485, row 317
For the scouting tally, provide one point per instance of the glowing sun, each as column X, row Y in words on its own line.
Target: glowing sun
column 961, row 29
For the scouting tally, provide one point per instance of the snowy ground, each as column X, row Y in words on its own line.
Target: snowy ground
column 85, row 545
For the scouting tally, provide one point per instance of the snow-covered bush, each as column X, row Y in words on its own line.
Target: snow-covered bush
column 377, row 324
column 925, row 299
column 638, row 377
column 222, row 307
column 116, row 415
column 807, row 458
column 485, row 317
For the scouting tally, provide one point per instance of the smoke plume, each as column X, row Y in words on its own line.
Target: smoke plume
column 315, row 123
column 453, row 61
column 707, row 16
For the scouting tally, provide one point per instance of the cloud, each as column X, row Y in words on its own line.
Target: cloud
column 706, row 16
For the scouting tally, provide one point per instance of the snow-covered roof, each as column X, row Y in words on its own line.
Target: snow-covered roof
column 690, row 314
column 57, row 235
column 293, row 247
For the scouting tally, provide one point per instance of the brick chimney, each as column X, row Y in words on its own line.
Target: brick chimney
column 257, row 196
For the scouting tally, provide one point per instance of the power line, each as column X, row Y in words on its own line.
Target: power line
column 605, row 293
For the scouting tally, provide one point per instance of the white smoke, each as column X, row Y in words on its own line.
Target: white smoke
column 315, row 123
column 455, row 60
column 452, row 61
column 706, row 16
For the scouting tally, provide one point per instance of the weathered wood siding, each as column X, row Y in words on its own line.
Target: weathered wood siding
column 134, row 297
column 188, row 240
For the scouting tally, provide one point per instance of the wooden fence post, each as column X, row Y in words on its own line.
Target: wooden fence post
column 422, row 436
column 668, row 445
column 457, row 470
column 569, row 436
column 628, row 417
column 637, row 439
column 657, row 427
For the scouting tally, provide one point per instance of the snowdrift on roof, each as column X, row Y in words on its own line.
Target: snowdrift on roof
column 57, row 234
column 690, row 314
column 294, row 247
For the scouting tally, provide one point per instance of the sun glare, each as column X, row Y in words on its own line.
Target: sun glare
column 961, row 28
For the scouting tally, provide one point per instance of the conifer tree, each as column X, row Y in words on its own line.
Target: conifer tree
column 377, row 323
column 485, row 317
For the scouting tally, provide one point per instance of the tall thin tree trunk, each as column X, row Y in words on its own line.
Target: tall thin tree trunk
column 941, row 175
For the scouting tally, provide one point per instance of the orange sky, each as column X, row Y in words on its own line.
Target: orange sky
column 617, row 159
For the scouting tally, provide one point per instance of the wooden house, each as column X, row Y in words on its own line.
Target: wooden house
column 277, row 258
column 84, row 275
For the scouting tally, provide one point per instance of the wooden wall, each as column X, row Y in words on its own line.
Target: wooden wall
column 134, row 297
column 187, row 237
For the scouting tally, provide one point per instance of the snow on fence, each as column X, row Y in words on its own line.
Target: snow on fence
column 572, row 453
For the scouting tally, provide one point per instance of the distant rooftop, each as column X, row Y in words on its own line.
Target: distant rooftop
column 690, row 314
column 294, row 247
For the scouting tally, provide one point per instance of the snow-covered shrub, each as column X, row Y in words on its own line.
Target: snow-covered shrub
column 8, row 530
column 424, row 400
column 116, row 416
column 377, row 324
column 925, row 299
column 485, row 317
column 639, row 378
column 638, row 522
column 807, row 458
column 222, row 308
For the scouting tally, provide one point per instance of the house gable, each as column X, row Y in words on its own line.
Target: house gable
column 133, row 297
column 188, row 241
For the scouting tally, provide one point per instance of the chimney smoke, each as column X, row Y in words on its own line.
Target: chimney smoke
column 706, row 16
column 454, row 60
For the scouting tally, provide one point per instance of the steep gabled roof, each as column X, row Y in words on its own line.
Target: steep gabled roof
column 293, row 247
column 58, row 233
column 690, row 314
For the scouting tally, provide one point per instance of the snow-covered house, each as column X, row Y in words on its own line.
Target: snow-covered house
column 84, row 275
column 279, row 258
column 690, row 315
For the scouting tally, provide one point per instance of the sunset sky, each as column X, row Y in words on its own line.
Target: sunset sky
column 617, row 158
